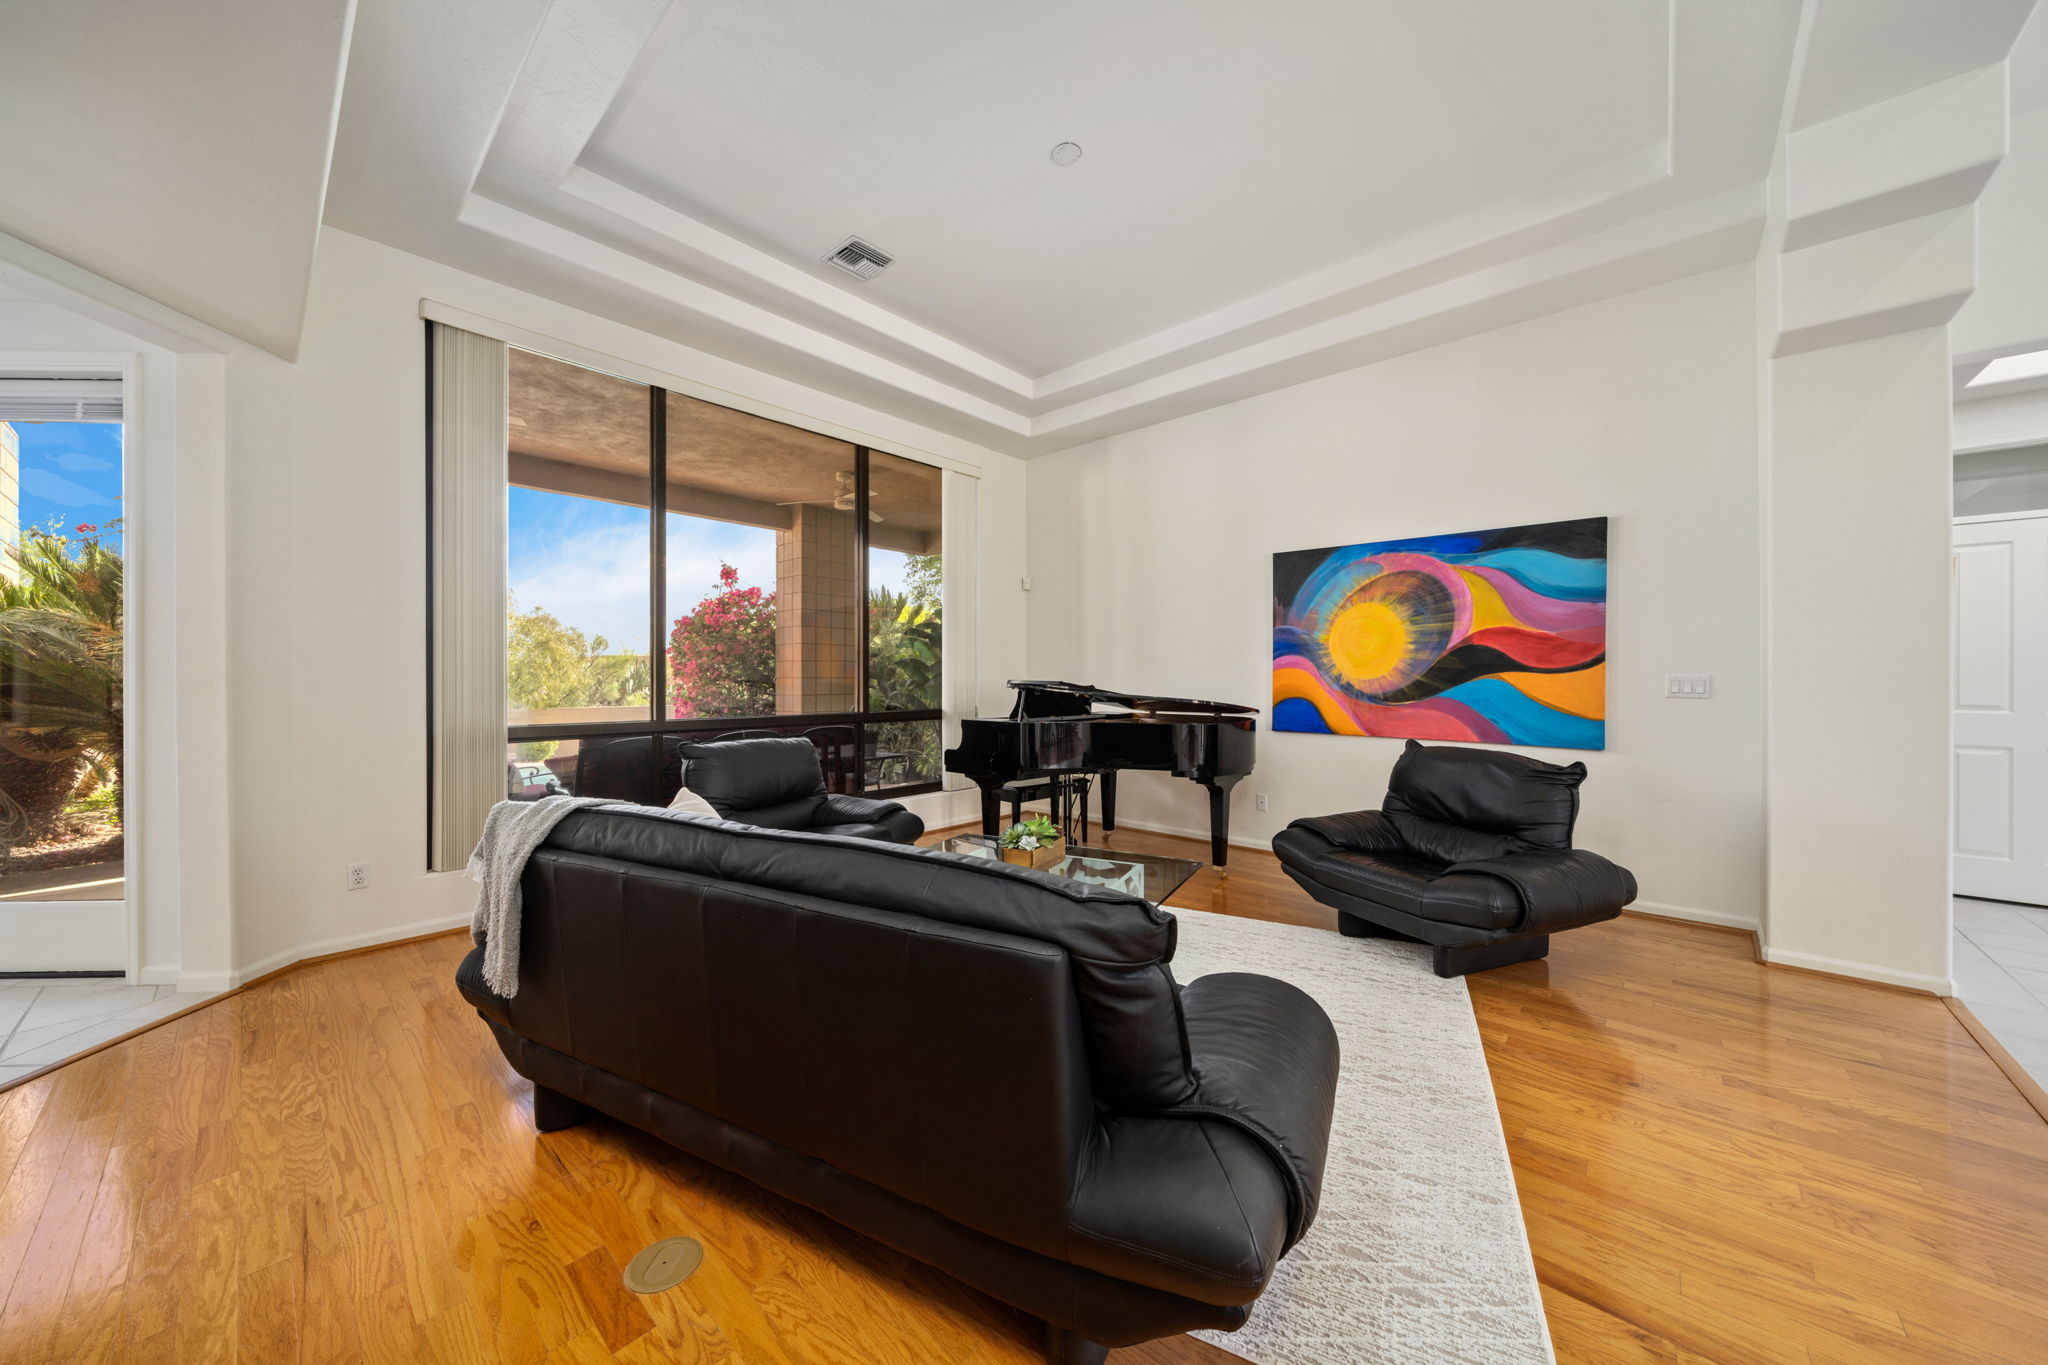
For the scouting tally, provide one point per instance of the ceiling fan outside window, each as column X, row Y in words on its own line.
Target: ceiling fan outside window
column 841, row 500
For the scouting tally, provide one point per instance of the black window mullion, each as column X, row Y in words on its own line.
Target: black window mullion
column 657, row 552
column 861, row 608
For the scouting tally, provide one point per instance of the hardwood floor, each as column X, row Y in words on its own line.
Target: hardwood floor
column 1720, row 1164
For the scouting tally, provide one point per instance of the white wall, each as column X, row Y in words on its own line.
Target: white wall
column 2009, row 311
column 327, row 588
column 1858, row 604
column 1151, row 558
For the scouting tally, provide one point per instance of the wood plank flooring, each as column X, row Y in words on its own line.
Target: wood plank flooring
column 1720, row 1164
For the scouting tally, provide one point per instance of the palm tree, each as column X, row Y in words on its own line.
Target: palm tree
column 60, row 676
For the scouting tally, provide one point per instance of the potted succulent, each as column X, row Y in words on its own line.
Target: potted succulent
column 1036, row 842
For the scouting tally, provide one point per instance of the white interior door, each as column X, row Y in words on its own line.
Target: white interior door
column 2000, row 762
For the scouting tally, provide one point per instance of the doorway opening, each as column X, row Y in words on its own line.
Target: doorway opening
column 1999, row 729
column 63, row 662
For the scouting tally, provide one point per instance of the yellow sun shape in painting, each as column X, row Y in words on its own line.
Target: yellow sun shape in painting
column 1368, row 639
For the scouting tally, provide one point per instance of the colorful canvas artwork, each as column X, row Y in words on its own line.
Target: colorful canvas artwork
column 1498, row 637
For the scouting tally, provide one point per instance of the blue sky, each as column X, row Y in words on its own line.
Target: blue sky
column 586, row 562
column 70, row 473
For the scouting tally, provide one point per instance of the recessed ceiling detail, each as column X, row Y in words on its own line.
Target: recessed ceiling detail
column 1266, row 195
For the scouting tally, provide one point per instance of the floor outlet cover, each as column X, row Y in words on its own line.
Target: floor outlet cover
column 664, row 1265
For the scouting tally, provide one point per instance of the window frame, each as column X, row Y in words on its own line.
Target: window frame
column 656, row 721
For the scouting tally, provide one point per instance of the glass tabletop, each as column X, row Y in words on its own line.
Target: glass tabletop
column 1153, row 876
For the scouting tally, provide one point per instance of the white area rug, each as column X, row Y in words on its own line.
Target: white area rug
column 1418, row 1254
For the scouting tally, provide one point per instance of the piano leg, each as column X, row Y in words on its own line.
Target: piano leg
column 991, row 809
column 1109, row 800
column 1219, row 820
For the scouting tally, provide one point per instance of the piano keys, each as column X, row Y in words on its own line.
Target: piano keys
column 1054, row 728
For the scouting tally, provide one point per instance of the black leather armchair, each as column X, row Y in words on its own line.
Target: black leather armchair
column 989, row 1069
column 779, row 784
column 1470, row 853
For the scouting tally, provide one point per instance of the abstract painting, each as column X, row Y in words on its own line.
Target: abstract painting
column 1497, row 637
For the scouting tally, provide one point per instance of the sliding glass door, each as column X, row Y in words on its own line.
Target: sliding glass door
column 63, row 869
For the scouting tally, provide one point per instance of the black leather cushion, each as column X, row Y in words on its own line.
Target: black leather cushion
column 1465, row 805
column 1360, row 831
column 1558, row 888
column 1120, row 945
column 1267, row 1058
column 1400, row 881
column 1132, row 1217
column 775, row 783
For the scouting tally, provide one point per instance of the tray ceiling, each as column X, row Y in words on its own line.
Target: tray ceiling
column 1265, row 193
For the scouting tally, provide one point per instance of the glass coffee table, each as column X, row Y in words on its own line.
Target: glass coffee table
column 1153, row 876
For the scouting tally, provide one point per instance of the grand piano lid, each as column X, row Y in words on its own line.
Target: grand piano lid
column 1140, row 703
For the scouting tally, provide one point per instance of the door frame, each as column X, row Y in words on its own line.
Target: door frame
column 1954, row 647
column 44, row 924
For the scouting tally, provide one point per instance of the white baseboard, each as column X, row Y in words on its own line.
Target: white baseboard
column 322, row 947
column 162, row 974
column 204, row 983
column 1696, row 915
column 1835, row 966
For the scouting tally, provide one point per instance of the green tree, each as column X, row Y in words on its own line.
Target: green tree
column 904, row 652
column 923, row 579
column 721, row 654
column 904, row 639
column 60, row 673
column 550, row 665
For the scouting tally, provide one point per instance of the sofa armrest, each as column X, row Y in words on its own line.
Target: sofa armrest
column 875, row 819
column 1358, row 831
column 838, row 809
column 1265, row 1058
column 1560, row 888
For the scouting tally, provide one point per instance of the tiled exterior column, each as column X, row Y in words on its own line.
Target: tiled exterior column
column 10, row 501
column 817, row 613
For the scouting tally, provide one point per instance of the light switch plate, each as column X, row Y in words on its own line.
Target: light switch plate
column 1689, row 686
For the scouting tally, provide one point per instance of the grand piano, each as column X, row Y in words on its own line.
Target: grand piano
column 1055, row 729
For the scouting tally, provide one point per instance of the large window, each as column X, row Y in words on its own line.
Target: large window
column 682, row 570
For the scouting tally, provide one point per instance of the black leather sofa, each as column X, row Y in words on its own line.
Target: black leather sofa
column 989, row 1069
column 1471, row 853
column 780, row 784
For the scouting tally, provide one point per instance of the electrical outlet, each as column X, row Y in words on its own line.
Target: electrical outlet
column 358, row 876
column 1259, row 801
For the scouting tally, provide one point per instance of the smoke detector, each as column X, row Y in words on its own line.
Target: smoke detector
column 859, row 259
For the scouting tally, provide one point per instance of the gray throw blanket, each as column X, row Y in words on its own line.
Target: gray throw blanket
column 512, row 831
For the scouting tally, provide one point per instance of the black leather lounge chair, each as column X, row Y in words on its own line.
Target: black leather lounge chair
column 1470, row 853
column 780, row 784
column 989, row 1069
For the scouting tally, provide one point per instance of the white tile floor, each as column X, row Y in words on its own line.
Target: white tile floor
column 2001, row 973
column 46, row 1020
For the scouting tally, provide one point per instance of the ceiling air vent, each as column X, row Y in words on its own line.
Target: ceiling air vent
column 858, row 259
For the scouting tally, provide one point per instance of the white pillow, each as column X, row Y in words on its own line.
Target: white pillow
column 690, row 803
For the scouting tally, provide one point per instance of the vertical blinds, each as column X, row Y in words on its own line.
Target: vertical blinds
column 466, row 592
column 60, row 399
column 961, row 587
